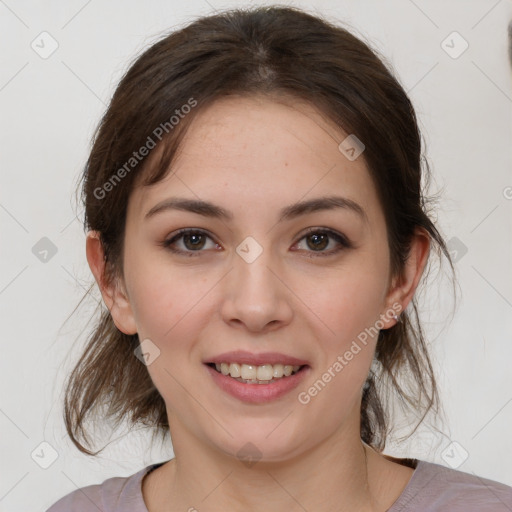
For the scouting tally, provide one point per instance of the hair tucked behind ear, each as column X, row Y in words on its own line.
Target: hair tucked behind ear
column 278, row 52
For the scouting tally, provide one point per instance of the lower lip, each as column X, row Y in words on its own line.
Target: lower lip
column 257, row 393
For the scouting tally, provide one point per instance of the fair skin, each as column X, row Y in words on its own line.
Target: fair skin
column 254, row 156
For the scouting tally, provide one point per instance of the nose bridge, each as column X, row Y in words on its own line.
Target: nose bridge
column 256, row 297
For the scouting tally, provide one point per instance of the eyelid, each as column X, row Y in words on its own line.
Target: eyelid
column 342, row 240
column 340, row 237
column 174, row 237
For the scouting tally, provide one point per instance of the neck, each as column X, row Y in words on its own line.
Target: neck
column 331, row 476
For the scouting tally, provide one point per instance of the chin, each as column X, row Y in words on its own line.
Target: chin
column 262, row 441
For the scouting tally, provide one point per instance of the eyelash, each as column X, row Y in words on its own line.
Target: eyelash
column 342, row 240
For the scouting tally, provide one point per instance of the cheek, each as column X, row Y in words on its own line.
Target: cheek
column 352, row 301
column 172, row 306
column 169, row 312
column 350, row 309
column 159, row 295
column 350, row 306
column 166, row 305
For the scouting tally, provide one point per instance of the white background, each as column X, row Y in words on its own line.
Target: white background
column 50, row 108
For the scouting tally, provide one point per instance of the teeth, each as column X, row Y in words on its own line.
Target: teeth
column 253, row 374
column 235, row 370
column 248, row 371
column 265, row 372
column 278, row 371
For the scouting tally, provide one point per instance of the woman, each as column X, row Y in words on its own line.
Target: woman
column 256, row 226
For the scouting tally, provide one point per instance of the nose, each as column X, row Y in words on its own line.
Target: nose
column 256, row 295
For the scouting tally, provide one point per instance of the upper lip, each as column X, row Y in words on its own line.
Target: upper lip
column 244, row 357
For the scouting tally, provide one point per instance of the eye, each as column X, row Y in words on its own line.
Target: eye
column 319, row 239
column 192, row 240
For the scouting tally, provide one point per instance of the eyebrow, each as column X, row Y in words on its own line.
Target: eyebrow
column 288, row 213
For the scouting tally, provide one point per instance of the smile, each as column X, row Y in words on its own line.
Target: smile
column 253, row 374
column 261, row 386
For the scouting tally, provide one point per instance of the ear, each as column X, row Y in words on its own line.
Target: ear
column 113, row 293
column 403, row 287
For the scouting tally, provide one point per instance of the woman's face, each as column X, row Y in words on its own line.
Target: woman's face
column 267, row 279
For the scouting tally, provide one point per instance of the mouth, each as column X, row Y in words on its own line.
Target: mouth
column 256, row 374
column 256, row 378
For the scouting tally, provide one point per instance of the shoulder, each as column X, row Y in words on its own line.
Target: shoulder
column 436, row 488
column 113, row 495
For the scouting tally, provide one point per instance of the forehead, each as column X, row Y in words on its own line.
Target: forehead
column 260, row 151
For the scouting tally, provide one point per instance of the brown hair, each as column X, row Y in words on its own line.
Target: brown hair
column 271, row 51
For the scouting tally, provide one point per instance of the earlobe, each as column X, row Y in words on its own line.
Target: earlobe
column 403, row 288
column 113, row 293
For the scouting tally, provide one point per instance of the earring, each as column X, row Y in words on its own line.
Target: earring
column 396, row 318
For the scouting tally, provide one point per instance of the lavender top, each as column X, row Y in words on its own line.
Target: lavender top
column 432, row 488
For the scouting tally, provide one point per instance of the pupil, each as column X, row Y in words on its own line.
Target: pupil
column 317, row 237
column 196, row 240
column 319, row 241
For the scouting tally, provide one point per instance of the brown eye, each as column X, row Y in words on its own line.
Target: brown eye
column 190, row 242
column 317, row 240
column 194, row 241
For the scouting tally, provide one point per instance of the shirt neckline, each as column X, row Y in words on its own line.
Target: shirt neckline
column 395, row 507
column 404, row 496
column 138, row 477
